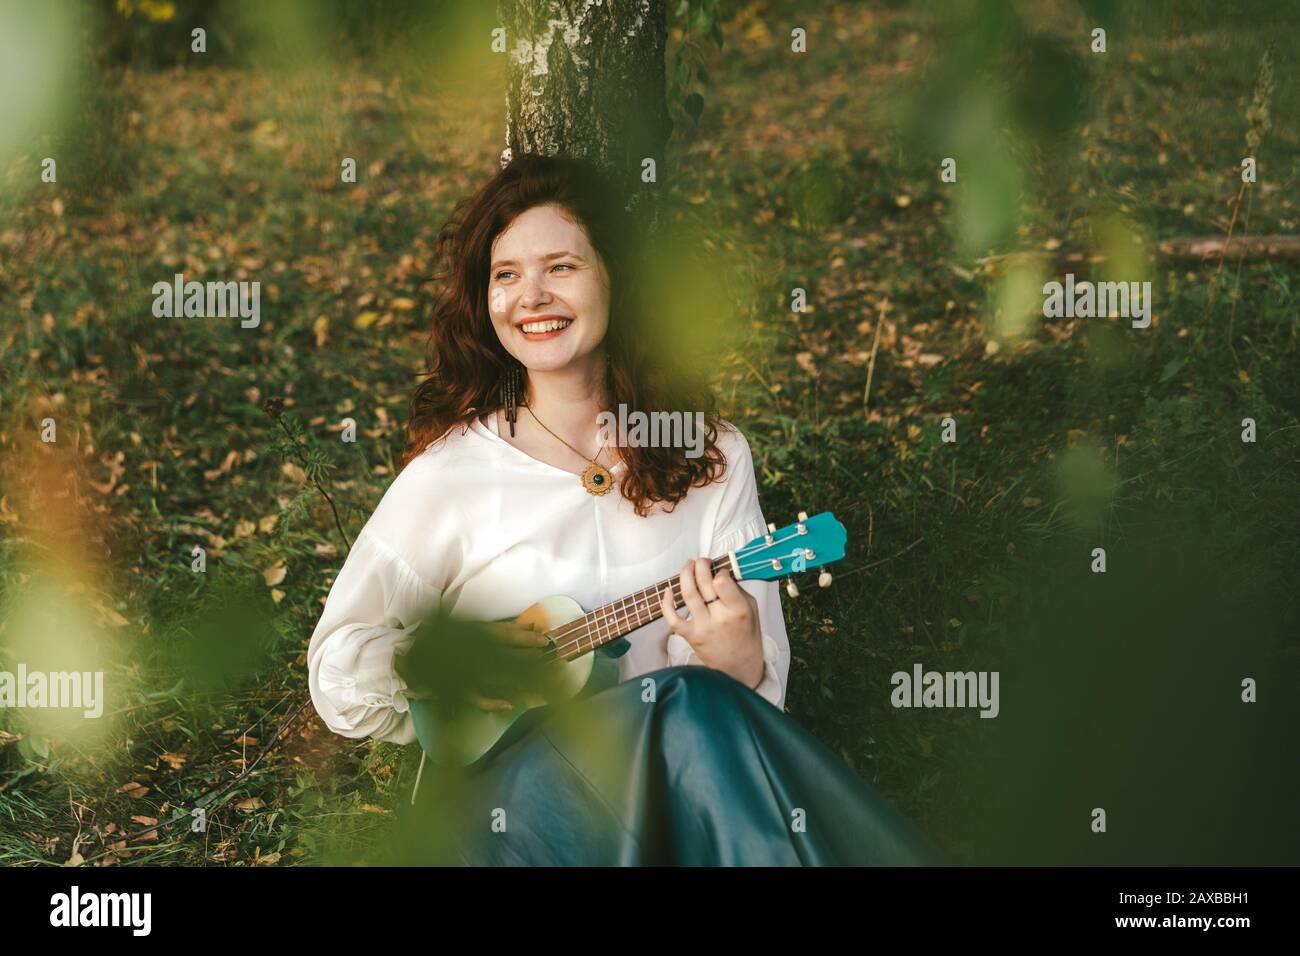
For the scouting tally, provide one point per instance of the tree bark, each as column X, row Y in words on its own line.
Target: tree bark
column 1249, row 247
column 1182, row 250
column 586, row 78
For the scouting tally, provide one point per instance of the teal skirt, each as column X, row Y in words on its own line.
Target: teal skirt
column 682, row 766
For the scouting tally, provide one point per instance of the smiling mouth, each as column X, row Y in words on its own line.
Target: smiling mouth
column 544, row 327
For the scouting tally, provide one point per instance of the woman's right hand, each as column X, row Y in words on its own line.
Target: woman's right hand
column 511, row 634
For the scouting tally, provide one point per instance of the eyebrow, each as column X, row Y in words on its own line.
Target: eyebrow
column 546, row 258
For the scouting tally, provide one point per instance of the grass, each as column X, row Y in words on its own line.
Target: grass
column 1078, row 434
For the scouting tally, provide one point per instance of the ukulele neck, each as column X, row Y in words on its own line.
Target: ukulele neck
column 611, row 621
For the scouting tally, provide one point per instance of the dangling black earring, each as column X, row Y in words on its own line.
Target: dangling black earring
column 510, row 388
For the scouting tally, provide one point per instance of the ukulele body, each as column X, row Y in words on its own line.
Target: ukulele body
column 472, row 734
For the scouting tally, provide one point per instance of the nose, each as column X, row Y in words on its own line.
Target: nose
column 534, row 292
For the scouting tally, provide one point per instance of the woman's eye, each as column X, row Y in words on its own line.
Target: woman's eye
column 559, row 265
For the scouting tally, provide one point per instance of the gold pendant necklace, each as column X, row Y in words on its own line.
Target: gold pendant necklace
column 596, row 478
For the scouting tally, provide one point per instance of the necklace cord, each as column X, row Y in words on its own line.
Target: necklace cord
column 562, row 441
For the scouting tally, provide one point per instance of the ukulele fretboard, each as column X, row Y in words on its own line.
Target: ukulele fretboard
column 611, row 621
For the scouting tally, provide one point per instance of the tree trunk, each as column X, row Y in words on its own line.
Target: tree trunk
column 586, row 78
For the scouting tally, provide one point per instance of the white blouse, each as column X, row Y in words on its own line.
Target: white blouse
column 479, row 527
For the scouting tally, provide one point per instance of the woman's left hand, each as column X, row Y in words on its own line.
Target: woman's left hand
column 723, row 627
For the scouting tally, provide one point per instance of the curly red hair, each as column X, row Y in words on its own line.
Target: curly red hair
column 467, row 363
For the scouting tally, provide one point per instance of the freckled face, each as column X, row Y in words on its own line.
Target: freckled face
column 544, row 269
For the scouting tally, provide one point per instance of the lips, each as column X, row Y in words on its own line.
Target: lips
column 544, row 326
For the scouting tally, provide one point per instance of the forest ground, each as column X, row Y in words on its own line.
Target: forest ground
column 1072, row 434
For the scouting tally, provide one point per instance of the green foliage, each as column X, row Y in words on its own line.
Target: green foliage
column 225, row 636
column 972, row 555
column 153, row 32
column 687, row 77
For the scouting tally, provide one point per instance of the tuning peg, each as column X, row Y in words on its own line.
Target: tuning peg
column 824, row 579
column 771, row 529
column 791, row 588
column 803, row 516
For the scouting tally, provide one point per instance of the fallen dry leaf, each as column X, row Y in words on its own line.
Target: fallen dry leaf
column 805, row 362
column 231, row 459
column 108, row 616
column 175, row 761
column 115, row 471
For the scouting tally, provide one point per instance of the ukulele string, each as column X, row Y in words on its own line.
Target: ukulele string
column 584, row 625
column 652, row 611
column 582, row 630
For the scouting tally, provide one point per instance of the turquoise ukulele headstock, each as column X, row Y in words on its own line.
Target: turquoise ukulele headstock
column 809, row 543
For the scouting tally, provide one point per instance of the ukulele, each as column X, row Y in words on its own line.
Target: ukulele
column 575, row 635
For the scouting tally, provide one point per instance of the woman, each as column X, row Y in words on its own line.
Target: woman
column 510, row 493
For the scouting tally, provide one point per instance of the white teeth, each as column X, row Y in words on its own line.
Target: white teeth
column 548, row 326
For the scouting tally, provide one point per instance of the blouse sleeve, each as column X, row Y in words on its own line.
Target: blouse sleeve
column 739, row 520
column 371, row 613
